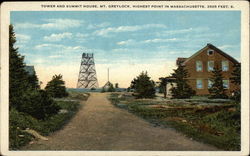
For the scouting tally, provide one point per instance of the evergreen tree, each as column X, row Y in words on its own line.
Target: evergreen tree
column 33, row 81
column 182, row 89
column 56, row 87
column 162, row 86
column 144, row 87
column 217, row 89
column 18, row 82
column 236, row 74
column 25, row 95
column 236, row 79
column 116, row 85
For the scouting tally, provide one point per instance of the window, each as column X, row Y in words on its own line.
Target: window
column 199, row 84
column 210, row 52
column 209, row 84
column 224, row 66
column 210, row 65
column 198, row 66
column 226, row 84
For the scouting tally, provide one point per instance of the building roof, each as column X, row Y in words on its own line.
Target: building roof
column 30, row 70
column 214, row 48
column 108, row 84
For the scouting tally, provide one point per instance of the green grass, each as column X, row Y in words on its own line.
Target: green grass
column 20, row 121
column 214, row 125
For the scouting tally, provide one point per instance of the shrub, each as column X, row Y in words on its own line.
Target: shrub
column 111, row 88
column 17, row 123
column 38, row 104
column 103, row 90
column 56, row 87
column 144, row 87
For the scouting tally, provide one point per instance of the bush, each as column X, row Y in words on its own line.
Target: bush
column 56, row 87
column 236, row 96
column 103, row 90
column 144, row 87
column 38, row 104
column 17, row 123
column 111, row 88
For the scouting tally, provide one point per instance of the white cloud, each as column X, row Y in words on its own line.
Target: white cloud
column 106, row 31
column 61, row 23
column 80, row 35
column 55, row 56
column 170, row 32
column 59, row 49
column 121, row 50
column 155, row 40
column 158, row 40
column 39, row 61
column 26, row 25
column 39, row 46
column 95, row 26
column 224, row 47
column 180, row 52
column 163, row 47
column 22, row 38
column 183, row 31
column 57, row 37
column 127, row 42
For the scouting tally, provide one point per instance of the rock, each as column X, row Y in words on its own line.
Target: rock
column 84, row 94
column 35, row 134
column 184, row 121
column 63, row 111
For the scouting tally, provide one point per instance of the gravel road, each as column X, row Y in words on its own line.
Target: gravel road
column 100, row 126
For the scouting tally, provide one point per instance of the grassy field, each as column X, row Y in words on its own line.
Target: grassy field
column 19, row 121
column 211, row 121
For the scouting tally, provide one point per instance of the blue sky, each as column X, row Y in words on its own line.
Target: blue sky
column 127, row 42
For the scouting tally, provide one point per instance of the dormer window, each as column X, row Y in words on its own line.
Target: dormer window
column 210, row 52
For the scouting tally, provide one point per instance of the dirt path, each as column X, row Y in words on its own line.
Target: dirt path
column 100, row 126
